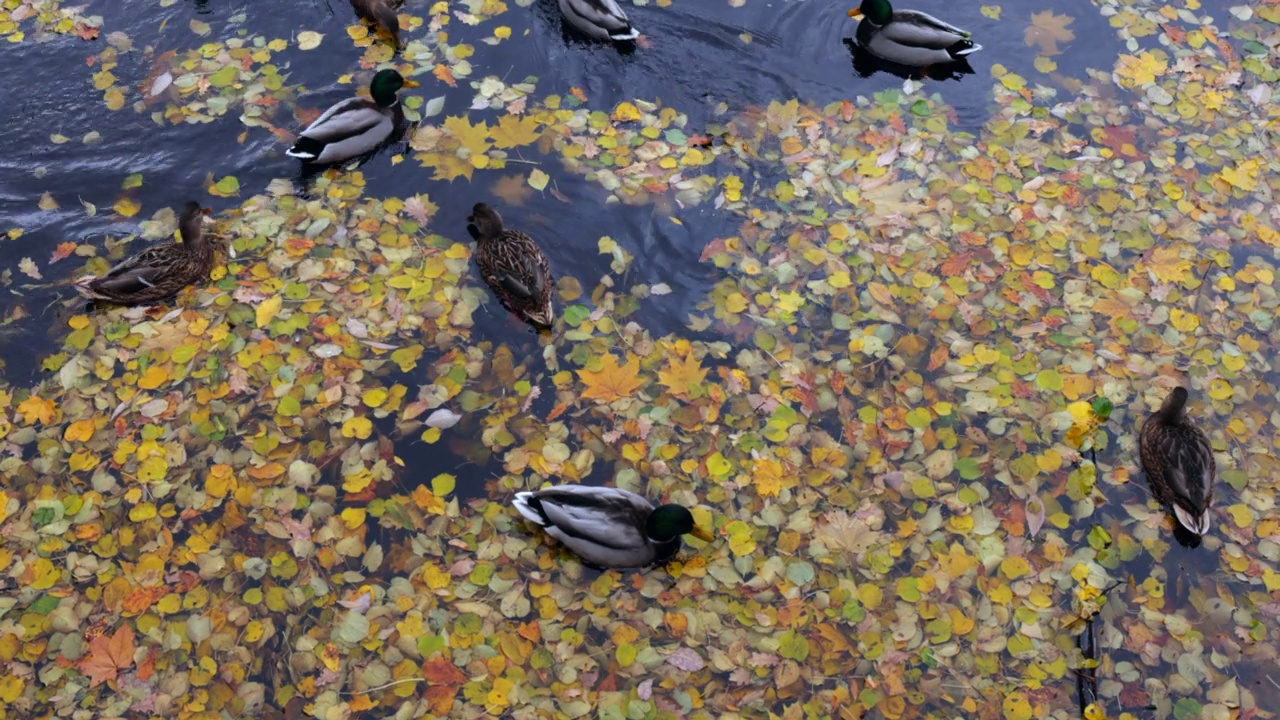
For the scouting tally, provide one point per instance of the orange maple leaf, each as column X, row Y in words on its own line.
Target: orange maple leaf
column 612, row 382
column 108, row 655
column 682, row 375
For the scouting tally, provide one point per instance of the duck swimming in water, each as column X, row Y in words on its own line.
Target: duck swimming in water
column 1178, row 460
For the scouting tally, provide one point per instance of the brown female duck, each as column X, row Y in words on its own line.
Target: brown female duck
column 379, row 13
column 159, row 272
column 513, row 266
column 1178, row 460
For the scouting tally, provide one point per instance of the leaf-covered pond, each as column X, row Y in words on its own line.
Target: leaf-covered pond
column 891, row 339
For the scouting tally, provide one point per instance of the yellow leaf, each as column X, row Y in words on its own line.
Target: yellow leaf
column 375, row 397
column 127, row 207
column 309, row 40
column 268, row 309
column 154, row 377
column 515, row 131
column 473, row 137
column 612, row 382
column 142, row 511
column 682, row 376
column 538, row 179
column 443, row 484
column 354, row 517
column 626, row 112
column 435, row 577
column 79, row 431
column 357, row 427
column 11, row 687
column 1140, row 69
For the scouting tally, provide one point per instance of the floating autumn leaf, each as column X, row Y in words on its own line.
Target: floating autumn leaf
column 683, row 376
column 108, row 655
column 612, row 381
column 1141, row 69
column 1046, row 30
column 512, row 131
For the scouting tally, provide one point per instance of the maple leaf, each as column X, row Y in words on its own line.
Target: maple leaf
column 612, row 382
column 1140, row 69
column 682, row 376
column 419, row 209
column 449, row 167
column 108, row 655
column 1047, row 29
column 473, row 137
column 513, row 189
column 513, row 131
column 1168, row 264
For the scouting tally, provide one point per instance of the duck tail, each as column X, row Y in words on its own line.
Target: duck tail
column 967, row 48
column 528, row 505
column 624, row 34
column 1198, row 524
column 305, row 148
column 84, row 286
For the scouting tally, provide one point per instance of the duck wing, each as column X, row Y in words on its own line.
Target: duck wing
column 141, row 273
column 1189, row 469
column 607, row 517
column 917, row 29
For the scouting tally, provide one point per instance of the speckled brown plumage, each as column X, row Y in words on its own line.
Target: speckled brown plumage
column 382, row 14
column 513, row 266
column 159, row 272
column 1178, row 460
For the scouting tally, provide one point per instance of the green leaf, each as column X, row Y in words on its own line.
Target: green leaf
column 223, row 77
column 1049, row 380
column 793, row 646
column 289, row 406
column 1099, row 538
column 1187, row 709
column 1102, row 408
column 575, row 315
column 443, row 484
column 970, row 469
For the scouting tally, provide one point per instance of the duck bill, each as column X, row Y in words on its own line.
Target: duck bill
column 412, row 83
column 702, row 533
column 856, row 13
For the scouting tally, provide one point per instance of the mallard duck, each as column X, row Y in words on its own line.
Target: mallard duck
column 1178, row 460
column 514, row 266
column 599, row 19
column 379, row 13
column 159, row 272
column 910, row 37
column 356, row 126
column 608, row 527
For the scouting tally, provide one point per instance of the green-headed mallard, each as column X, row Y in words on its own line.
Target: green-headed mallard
column 513, row 265
column 910, row 37
column 356, row 126
column 379, row 13
column 608, row 527
column 159, row 272
column 1178, row 460
column 599, row 19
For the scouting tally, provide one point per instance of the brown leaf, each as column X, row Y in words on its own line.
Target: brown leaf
column 108, row 655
